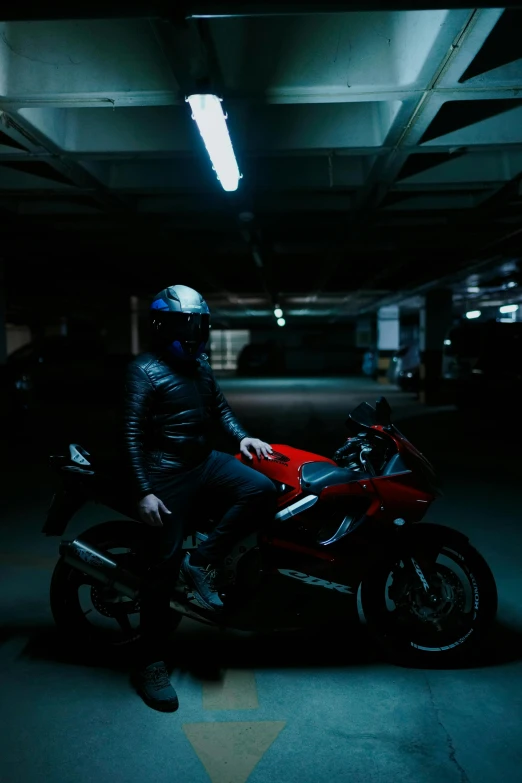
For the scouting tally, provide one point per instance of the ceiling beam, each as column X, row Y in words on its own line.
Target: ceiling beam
column 23, row 132
column 34, row 10
column 475, row 266
column 387, row 167
column 188, row 51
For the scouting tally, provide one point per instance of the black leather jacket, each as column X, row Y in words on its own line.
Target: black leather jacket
column 169, row 410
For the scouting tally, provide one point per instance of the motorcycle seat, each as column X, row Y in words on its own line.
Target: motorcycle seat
column 316, row 476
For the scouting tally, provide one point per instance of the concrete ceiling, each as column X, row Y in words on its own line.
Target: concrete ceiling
column 380, row 151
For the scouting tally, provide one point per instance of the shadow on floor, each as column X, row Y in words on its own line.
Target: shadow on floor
column 323, row 648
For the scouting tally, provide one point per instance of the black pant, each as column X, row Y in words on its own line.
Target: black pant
column 251, row 500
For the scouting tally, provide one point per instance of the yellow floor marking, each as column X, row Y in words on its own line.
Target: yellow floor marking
column 229, row 751
column 237, row 690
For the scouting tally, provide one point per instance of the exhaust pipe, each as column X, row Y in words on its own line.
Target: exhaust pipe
column 91, row 561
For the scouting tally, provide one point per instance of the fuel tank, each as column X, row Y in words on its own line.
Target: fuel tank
column 284, row 466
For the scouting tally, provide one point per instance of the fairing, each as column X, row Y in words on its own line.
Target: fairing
column 284, row 467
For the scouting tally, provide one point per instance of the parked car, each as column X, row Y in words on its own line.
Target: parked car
column 482, row 363
column 404, row 368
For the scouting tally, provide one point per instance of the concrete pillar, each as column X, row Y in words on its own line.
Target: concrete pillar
column 388, row 336
column 3, row 315
column 436, row 318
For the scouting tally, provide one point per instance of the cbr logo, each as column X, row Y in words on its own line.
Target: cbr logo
column 314, row 580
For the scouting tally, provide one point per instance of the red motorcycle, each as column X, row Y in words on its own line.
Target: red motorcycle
column 345, row 542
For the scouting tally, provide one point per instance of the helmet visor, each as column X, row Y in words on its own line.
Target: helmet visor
column 185, row 327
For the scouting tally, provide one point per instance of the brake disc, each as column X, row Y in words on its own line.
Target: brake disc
column 111, row 604
column 446, row 595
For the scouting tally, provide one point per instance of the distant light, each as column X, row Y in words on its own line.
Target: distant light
column 278, row 312
column 447, row 342
column 511, row 284
column 473, row 314
column 208, row 114
column 281, row 321
column 509, row 308
column 473, row 289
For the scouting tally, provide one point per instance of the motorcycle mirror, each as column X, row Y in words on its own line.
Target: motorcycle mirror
column 383, row 411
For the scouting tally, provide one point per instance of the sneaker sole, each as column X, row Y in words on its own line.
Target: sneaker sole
column 197, row 597
column 204, row 605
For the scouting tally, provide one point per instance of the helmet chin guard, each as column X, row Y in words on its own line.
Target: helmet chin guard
column 185, row 351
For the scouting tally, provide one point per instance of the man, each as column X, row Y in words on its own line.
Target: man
column 171, row 403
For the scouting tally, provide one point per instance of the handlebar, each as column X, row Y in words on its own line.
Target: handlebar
column 360, row 451
column 350, row 446
column 366, row 462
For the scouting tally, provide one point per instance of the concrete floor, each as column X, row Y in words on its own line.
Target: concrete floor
column 279, row 708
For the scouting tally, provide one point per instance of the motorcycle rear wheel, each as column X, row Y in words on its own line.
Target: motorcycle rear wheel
column 413, row 631
column 70, row 591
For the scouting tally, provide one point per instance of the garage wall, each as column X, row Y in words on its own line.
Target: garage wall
column 316, row 351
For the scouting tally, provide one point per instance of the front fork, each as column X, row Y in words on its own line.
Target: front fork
column 420, row 571
column 418, row 568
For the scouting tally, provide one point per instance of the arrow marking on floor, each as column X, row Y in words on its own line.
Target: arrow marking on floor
column 237, row 690
column 229, row 751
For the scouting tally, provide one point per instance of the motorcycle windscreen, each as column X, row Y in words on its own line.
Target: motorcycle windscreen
column 419, row 465
column 364, row 415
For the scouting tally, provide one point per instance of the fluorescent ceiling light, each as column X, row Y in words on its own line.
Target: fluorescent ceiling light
column 473, row 314
column 208, row 114
column 509, row 308
column 281, row 321
column 473, row 289
column 278, row 312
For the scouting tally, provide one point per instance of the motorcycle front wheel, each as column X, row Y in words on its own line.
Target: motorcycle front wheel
column 86, row 613
column 433, row 624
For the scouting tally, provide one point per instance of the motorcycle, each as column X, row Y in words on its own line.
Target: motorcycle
column 347, row 542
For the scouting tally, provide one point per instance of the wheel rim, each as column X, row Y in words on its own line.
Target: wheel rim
column 106, row 615
column 440, row 620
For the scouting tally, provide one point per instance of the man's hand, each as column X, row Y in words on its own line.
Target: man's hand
column 260, row 447
column 149, row 508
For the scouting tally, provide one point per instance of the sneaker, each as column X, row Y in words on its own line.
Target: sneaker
column 203, row 582
column 153, row 685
